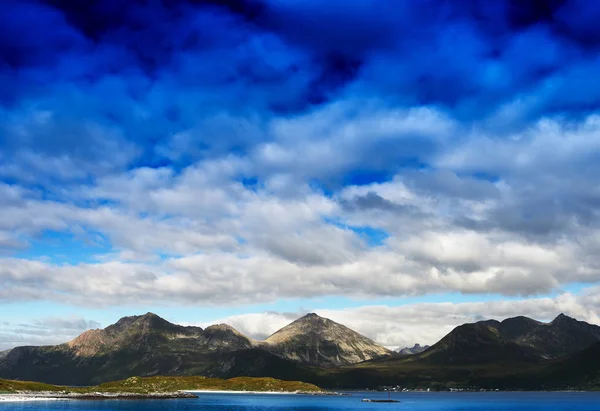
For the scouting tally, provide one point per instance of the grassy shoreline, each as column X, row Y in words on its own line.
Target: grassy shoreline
column 157, row 387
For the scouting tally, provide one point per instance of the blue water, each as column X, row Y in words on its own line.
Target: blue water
column 409, row 402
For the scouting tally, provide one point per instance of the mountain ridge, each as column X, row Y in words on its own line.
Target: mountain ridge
column 149, row 345
column 486, row 353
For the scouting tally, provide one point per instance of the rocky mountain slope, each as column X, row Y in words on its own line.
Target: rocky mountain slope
column 562, row 336
column 149, row 345
column 479, row 343
column 137, row 345
column 316, row 340
column 580, row 370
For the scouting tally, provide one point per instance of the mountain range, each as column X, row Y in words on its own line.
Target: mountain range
column 415, row 349
column 516, row 353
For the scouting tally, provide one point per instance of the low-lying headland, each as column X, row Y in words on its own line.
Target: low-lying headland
column 152, row 388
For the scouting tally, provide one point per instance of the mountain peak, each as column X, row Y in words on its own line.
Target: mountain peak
column 153, row 320
column 221, row 336
column 316, row 340
column 222, row 328
column 148, row 321
column 128, row 332
column 310, row 317
column 562, row 317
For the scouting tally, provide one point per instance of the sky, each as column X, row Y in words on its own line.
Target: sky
column 399, row 166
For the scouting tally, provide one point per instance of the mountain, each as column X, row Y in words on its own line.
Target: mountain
column 517, row 353
column 225, row 337
column 142, row 332
column 514, row 340
column 148, row 345
column 515, row 328
column 580, row 370
column 137, row 345
column 415, row 349
column 315, row 340
column 561, row 337
column 478, row 343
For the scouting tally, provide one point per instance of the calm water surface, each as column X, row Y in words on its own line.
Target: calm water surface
column 410, row 402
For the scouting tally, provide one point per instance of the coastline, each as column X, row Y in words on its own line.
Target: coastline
column 57, row 396
column 181, row 394
column 316, row 393
column 25, row 398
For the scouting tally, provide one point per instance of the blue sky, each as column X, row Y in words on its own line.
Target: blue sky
column 399, row 166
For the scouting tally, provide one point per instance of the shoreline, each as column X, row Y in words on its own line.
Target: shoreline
column 25, row 398
column 54, row 396
column 315, row 393
column 181, row 394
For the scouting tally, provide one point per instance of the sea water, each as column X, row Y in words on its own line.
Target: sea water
column 413, row 401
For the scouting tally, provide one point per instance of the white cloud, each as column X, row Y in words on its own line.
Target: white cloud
column 157, row 230
column 43, row 331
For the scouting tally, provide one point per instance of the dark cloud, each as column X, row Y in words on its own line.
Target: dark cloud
column 146, row 79
column 373, row 201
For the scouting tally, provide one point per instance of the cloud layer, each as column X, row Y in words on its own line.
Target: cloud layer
column 268, row 150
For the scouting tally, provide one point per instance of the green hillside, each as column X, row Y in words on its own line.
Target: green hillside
column 145, row 385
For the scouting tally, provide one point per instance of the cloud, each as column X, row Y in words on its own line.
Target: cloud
column 252, row 148
column 444, row 231
column 149, row 83
column 44, row 331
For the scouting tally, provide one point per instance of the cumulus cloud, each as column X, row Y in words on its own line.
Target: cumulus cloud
column 272, row 150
